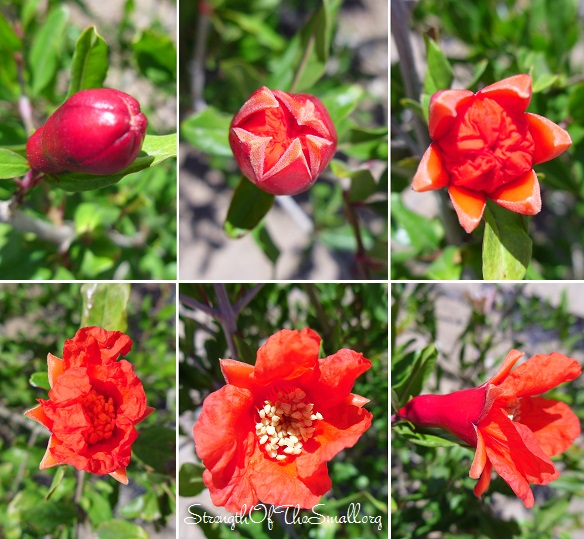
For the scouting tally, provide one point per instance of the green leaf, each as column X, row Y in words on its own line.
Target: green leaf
column 341, row 101
column 208, row 131
column 363, row 185
column 105, row 305
column 412, row 372
column 46, row 47
column 155, row 55
column 154, row 150
column 12, row 164
column 90, row 216
column 57, row 478
column 506, row 244
column 264, row 240
column 447, row 266
column 116, row 528
column 156, row 447
column 249, row 205
column 9, row 41
column 190, row 479
column 90, row 64
column 251, row 24
column 425, row 439
column 439, row 75
column 40, row 379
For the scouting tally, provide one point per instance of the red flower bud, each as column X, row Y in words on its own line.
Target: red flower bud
column 282, row 142
column 98, row 131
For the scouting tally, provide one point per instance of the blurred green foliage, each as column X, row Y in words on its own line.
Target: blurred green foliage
column 37, row 319
column 236, row 47
column 484, row 42
column 345, row 316
column 126, row 230
column 431, row 490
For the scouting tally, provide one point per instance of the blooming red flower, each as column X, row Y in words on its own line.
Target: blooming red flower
column 513, row 431
column 268, row 434
column 96, row 131
column 282, row 142
column 485, row 145
column 94, row 404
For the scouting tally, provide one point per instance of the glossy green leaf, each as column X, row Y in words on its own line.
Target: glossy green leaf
column 40, row 379
column 506, row 244
column 90, row 64
column 249, row 205
column 190, row 479
column 208, row 131
column 117, row 528
column 411, row 373
column 46, row 46
column 265, row 242
column 155, row 55
column 423, row 438
column 341, row 101
column 12, row 164
column 156, row 447
column 90, row 216
column 439, row 75
column 105, row 305
column 154, row 150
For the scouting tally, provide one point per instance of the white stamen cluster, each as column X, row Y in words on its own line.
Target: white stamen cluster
column 285, row 424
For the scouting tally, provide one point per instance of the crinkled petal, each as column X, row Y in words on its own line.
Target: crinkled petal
column 341, row 427
column 444, row 108
column 286, row 355
column 469, row 206
column 94, row 345
column 540, row 374
column 72, row 384
column 236, row 373
column 549, row 138
column 552, row 422
column 431, row 173
column 281, row 484
column 520, row 196
column 515, row 454
column 335, row 376
column 512, row 92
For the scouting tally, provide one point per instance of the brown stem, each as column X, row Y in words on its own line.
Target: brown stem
column 361, row 254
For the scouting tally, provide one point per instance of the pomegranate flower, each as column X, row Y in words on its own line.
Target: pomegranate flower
column 94, row 404
column 268, row 434
column 485, row 145
column 512, row 429
column 282, row 142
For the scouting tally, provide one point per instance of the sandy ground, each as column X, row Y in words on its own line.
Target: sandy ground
column 205, row 250
column 453, row 309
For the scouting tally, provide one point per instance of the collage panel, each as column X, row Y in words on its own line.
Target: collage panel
column 88, row 140
column 486, row 410
column 87, row 411
column 283, row 410
column 283, row 110
column 486, row 140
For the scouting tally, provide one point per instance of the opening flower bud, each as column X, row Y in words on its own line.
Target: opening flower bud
column 97, row 131
column 282, row 142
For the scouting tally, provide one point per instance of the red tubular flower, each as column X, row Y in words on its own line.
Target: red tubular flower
column 98, row 131
column 268, row 434
column 513, row 431
column 485, row 145
column 94, row 404
column 282, row 142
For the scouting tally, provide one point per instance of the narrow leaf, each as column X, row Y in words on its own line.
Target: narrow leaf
column 249, row 205
column 90, row 63
column 12, row 164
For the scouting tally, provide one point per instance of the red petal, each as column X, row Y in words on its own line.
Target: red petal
column 286, row 355
column 356, row 400
column 48, row 460
column 480, row 459
column 120, row 475
column 469, row 206
column 540, row 374
column 341, row 427
column 149, row 410
column 549, row 138
column 513, row 92
column 333, row 380
column 484, row 481
column 280, row 484
column 431, row 173
column 38, row 414
column 73, row 384
column 506, row 367
column 552, row 422
column 236, row 373
column 260, row 99
column 444, row 107
column 520, row 196
column 55, row 367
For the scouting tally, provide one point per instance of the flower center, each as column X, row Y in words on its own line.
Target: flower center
column 102, row 416
column 285, row 424
column 513, row 410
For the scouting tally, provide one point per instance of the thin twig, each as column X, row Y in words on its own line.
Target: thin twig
column 77, row 499
column 228, row 318
column 199, row 56
column 361, row 254
column 194, row 304
column 249, row 295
